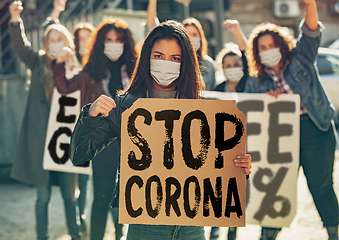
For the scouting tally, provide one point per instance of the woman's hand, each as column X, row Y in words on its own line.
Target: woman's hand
column 59, row 5
column 102, row 105
column 15, row 9
column 65, row 54
column 244, row 162
column 232, row 25
column 274, row 93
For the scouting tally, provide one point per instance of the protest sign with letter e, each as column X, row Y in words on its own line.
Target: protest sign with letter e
column 177, row 163
column 63, row 115
column 273, row 143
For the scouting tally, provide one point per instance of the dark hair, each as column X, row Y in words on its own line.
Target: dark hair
column 81, row 26
column 284, row 41
column 202, row 52
column 230, row 49
column 95, row 56
column 188, row 84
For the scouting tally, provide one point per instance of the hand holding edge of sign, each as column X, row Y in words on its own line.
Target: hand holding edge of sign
column 274, row 93
column 244, row 162
column 102, row 105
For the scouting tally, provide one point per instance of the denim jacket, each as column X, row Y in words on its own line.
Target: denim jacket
column 301, row 74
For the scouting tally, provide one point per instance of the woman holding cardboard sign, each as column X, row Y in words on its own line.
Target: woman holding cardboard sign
column 167, row 68
column 283, row 67
column 108, row 64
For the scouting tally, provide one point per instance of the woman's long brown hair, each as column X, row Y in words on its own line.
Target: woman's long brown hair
column 284, row 41
column 94, row 58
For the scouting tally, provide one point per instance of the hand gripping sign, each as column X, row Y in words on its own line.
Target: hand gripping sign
column 63, row 115
column 177, row 163
column 273, row 143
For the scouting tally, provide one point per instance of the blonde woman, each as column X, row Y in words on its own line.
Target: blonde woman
column 27, row 165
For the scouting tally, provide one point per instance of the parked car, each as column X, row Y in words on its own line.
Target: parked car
column 334, row 45
column 328, row 65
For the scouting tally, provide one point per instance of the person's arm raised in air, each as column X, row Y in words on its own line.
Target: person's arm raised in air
column 233, row 27
column 58, row 7
column 311, row 15
column 151, row 19
column 20, row 43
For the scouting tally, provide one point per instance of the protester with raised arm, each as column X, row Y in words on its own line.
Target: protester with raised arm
column 28, row 162
column 281, row 65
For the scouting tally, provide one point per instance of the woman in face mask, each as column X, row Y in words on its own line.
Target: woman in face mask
column 28, row 162
column 82, row 33
column 206, row 63
column 167, row 68
column 282, row 67
column 194, row 28
column 107, row 64
column 232, row 61
column 107, row 67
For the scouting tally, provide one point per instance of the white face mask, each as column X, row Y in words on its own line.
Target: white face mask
column 114, row 50
column 196, row 43
column 233, row 74
column 82, row 49
column 55, row 48
column 270, row 58
column 164, row 72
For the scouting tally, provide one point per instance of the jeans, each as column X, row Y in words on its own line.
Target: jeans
column 104, row 183
column 42, row 204
column 83, row 187
column 164, row 232
column 317, row 155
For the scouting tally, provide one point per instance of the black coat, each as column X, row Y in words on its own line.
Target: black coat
column 92, row 135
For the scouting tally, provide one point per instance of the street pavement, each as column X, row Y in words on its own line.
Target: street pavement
column 17, row 219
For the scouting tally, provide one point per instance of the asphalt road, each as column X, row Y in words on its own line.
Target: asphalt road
column 17, row 221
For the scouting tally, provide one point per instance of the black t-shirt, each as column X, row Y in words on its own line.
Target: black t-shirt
column 115, row 82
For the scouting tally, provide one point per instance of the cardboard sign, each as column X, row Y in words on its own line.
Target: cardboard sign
column 177, row 163
column 63, row 115
column 273, row 142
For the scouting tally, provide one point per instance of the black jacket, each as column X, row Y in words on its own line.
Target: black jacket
column 92, row 134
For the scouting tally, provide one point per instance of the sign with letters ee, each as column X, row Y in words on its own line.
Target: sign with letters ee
column 63, row 115
column 273, row 143
column 177, row 163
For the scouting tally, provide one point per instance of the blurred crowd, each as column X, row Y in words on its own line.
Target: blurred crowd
column 112, row 71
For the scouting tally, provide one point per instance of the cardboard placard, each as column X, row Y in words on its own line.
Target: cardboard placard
column 63, row 115
column 273, row 142
column 177, row 163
